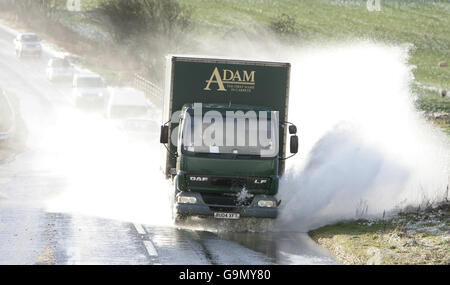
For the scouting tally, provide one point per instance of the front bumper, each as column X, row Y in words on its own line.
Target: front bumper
column 202, row 209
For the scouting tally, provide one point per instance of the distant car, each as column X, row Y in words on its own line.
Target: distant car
column 28, row 44
column 59, row 68
column 89, row 90
column 125, row 103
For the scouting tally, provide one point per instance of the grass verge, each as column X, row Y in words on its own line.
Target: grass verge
column 421, row 237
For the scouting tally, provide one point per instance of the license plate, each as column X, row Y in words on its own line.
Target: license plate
column 232, row 216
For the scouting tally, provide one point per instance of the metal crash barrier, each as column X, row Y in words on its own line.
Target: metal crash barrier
column 151, row 90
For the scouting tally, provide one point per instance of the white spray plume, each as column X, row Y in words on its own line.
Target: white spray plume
column 364, row 148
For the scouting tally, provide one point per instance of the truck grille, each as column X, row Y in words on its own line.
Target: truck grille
column 226, row 199
column 230, row 182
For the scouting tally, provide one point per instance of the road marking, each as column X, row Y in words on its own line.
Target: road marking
column 140, row 229
column 150, row 248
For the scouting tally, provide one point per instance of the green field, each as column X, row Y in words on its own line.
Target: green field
column 425, row 24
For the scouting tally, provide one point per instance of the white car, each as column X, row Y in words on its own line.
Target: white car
column 124, row 103
column 59, row 68
column 88, row 89
column 27, row 44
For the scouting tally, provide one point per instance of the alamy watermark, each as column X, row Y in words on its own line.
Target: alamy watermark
column 238, row 132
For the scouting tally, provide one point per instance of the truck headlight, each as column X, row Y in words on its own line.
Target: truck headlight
column 266, row 203
column 186, row 200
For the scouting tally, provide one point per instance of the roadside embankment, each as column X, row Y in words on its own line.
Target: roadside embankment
column 415, row 237
column 13, row 132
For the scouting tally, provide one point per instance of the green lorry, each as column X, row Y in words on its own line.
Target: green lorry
column 224, row 136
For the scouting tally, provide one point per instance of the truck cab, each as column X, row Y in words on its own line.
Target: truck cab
column 225, row 138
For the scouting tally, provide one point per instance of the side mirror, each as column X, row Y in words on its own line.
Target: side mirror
column 164, row 136
column 294, row 144
column 292, row 129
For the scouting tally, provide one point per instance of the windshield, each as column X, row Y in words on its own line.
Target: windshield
column 233, row 133
column 93, row 82
column 29, row 38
